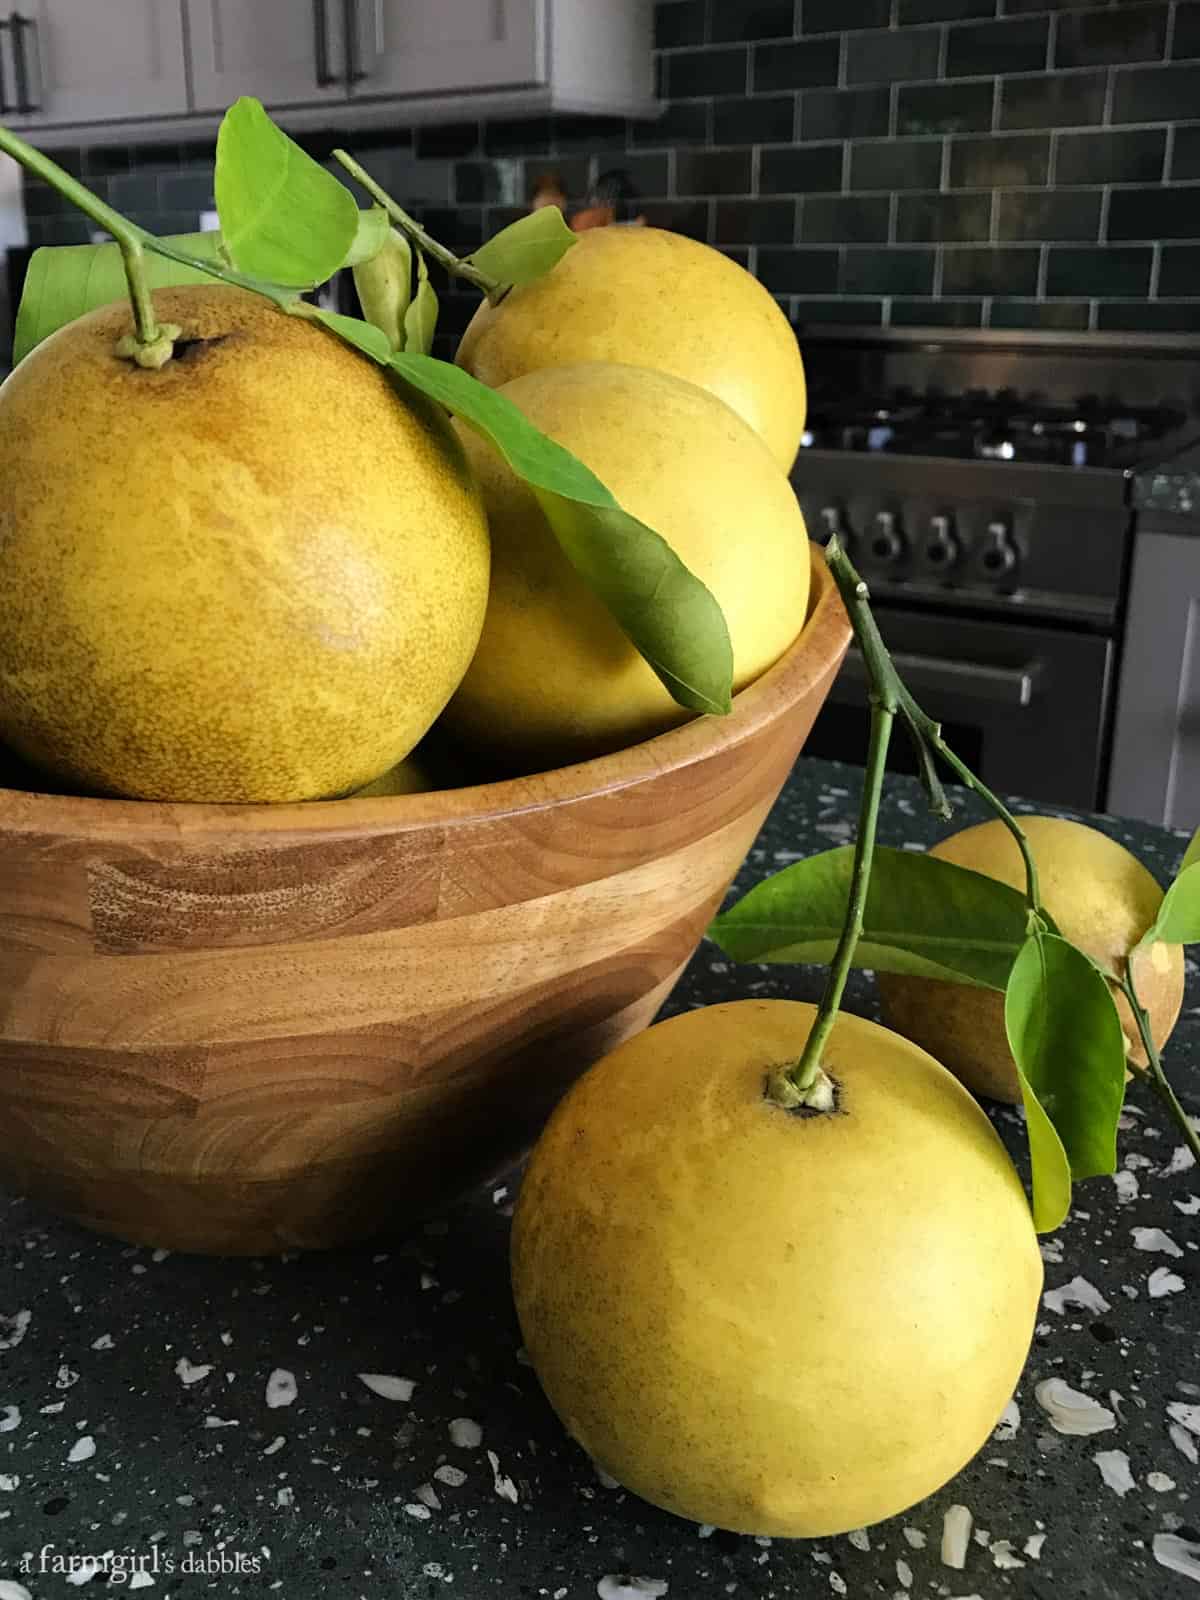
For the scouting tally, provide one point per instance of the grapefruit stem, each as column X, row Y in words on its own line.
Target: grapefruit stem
column 1158, row 1077
column 446, row 259
column 806, row 1083
column 130, row 239
column 153, row 342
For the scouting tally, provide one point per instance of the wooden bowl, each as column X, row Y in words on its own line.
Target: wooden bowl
column 240, row 1029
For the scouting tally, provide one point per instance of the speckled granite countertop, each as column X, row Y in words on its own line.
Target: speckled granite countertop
column 207, row 1422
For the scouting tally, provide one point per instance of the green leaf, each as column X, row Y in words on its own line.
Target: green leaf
column 364, row 336
column 384, row 287
column 283, row 217
column 1066, row 1039
column 1048, row 1163
column 1178, row 919
column 925, row 917
column 62, row 282
column 667, row 613
column 371, row 234
column 527, row 248
column 420, row 319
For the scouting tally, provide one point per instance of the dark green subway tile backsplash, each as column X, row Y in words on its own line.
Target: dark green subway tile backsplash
column 1098, row 272
column 896, row 164
column 888, row 271
column 859, row 313
column 1151, row 316
column 1156, row 94
column 845, row 219
column 697, row 72
column 909, row 11
column 1186, row 43
column 1185, row 157
column 897, row 56
column 803, row 170
column 755, row 222
column 937, row 313
column 712, row 172
column 1154, row 213
column 766, row 19
column 1065, row 314
column 945, row 107
column 1179, row 271
column 844, row 113
column 1111, row 37
column 798, row 271
column 1133, row 155
column 924, row 218
column 833, row 16
column 1005, row 163
column 1001, row 162
column 979, row 270
column 808, row 63
column 1053, row 100
column 755, row 119
column 680, row 22
column 1013, row 45
column 1024, row 214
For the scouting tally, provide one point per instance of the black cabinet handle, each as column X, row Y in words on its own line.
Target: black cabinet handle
column 355, row 72
column 321, row 44
column 25, row 101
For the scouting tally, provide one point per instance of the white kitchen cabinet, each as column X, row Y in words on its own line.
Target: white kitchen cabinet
column 413, row 47
column 167, row 69
column 445, row 57
column 285, row 52
column 85, row 61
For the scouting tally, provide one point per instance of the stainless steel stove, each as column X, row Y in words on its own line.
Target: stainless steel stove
column 982, row 485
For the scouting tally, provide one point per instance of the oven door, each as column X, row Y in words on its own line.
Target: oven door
column 1026, row 707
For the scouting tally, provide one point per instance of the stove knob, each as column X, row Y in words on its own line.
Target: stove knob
column 887, row 541
column 998, row 557
column 833, row 522
column 941, row 546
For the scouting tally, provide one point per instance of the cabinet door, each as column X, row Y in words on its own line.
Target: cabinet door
column 433, row 46
column 85, row 62
column 285, row 52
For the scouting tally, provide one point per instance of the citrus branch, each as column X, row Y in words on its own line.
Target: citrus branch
column 804, row 1082
column 446, row 259
column 1158, row 1077
column 130, row 239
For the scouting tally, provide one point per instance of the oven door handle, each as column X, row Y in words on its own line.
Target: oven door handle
column 975, row 680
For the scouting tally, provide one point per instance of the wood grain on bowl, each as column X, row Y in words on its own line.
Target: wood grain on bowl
column 244, row 1028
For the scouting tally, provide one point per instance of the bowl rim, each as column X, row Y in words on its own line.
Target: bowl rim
column 816, row 650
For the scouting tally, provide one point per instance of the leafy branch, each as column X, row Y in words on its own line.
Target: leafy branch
column 897, row 912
